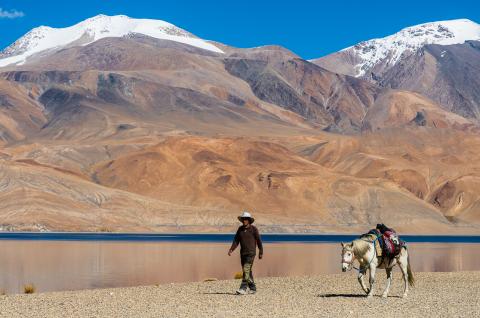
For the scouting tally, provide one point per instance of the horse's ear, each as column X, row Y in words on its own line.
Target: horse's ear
column 343, row 244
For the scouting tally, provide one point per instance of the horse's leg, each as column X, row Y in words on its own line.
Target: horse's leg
column 361, row 273
column 403, row 263
column 389, row 281
column 373, row 268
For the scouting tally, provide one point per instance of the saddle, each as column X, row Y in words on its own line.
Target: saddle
column 389, row 243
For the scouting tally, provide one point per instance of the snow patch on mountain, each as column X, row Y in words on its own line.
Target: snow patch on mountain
column 390, row 49
column 46, row 38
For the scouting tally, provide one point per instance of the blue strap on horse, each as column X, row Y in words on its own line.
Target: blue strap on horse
column 374, row 249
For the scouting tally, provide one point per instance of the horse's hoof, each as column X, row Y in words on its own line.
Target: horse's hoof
column 404, row 296
column 369, row 296
column 384, row 295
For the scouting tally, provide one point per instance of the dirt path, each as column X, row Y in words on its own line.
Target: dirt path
column 435, row 295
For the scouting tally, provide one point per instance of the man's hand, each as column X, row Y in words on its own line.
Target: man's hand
column 260, row 256
column 230, row 252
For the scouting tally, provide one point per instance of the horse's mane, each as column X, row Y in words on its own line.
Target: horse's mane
column 360, row 246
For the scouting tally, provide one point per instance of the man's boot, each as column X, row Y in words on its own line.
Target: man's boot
column 241, row 291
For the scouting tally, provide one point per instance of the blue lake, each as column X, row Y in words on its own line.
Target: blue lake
column 223, row 238
column 70, row 261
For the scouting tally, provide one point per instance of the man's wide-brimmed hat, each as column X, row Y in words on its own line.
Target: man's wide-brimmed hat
column 246, row 215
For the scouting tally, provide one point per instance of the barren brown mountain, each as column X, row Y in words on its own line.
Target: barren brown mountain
column 143, row 134
column 440, row 60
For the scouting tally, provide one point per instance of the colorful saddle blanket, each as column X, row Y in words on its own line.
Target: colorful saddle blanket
column 386, row 244
column 392, row 243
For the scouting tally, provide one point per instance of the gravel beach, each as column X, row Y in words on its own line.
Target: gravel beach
column 435, row 295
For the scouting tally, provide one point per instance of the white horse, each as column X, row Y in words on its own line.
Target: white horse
column 363, row 250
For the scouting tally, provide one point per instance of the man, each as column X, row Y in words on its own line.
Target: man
column 248, row 237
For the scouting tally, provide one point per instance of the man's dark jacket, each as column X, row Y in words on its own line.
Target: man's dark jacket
column 248, row 238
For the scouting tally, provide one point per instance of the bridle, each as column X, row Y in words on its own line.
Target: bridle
column 350, row 263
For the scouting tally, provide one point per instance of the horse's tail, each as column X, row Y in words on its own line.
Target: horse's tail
column 411, row 279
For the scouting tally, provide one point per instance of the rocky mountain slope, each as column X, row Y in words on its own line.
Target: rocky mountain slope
column 448, row 75
column 125, row 125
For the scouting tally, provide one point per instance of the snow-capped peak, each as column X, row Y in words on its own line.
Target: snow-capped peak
column 101, row 26
column 389, row 50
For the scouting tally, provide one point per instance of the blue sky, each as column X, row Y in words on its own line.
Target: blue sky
column 309, row 28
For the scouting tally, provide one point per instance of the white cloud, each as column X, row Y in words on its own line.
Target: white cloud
column 10, row 14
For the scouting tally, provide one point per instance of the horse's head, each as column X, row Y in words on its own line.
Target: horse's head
column 347, row 256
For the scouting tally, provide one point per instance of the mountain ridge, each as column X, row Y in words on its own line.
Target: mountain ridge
column 368, row 56
column 439, row 60
column 46, row 38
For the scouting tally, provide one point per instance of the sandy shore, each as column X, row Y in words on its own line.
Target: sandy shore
column 435, row 295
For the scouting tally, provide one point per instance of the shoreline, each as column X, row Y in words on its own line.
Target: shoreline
column 223, row 237
column 338, row 295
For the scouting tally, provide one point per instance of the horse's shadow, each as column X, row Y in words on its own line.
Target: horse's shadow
column 341, row 295
column 350, row 296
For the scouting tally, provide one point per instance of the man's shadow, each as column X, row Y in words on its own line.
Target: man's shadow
column 220, row 293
